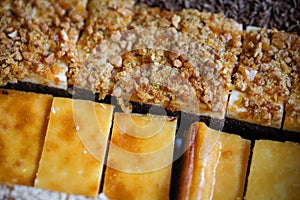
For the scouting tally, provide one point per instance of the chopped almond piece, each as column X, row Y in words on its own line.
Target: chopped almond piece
column 75, row 147
column 23, row 124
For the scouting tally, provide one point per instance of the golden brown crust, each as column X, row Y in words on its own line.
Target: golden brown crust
column 274, row 165
column 23, row 124
column 188, row 164
column 207, row 164
column 75, row 146
column 140, row 157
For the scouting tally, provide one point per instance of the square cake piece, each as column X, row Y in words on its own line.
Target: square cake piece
column 75, row 146
column 292, row 111
column 23, row 124
column 180, row 60
column 140, row 157
column 104, row 18
column 292, row 107
column 38, row 40
column 215, row 165
column 264, row 78
column 274, row 171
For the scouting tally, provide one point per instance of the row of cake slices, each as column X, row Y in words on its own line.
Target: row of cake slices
column 59, row 146
column 183, row 60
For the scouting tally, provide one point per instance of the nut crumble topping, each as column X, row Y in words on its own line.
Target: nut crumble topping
column 37, row 35
column 182, row 60
column 265, row 74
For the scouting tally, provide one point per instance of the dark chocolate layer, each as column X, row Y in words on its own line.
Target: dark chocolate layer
column 279, row 14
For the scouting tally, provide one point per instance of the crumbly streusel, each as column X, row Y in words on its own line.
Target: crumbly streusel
column 266, row 73
column 36, row 35
column 158, row 56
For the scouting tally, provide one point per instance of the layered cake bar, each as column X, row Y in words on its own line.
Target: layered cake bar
column 180, row 60
column 75, row 146
column 23, row 124
column 38, row 40
column 274, row 171
column 140, row 157
column 292, row 106
column 264, row 77
column 215, row 165
column 94, row 72
column 292, row 114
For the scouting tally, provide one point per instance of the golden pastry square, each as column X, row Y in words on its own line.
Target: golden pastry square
column 215, row 165
column 140, row 157
column 274, row 171
column 23, row 124
column 75, row 146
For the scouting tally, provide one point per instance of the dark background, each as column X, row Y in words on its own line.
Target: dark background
column 279, row 14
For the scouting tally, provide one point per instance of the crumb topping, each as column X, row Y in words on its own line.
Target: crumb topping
column 157, row 56
column 162, row 57
column 36, row 35
column 268, row 70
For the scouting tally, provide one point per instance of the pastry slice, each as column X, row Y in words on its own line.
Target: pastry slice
column 263, row 80
column 274, row 171
column 239, row 108
column 184, row 64
column 160, row 57
column 99, row 46
column 292, row 108
column 292, row 114
column 75, row 146
column 38, row 40
column 23, row 124
column 140, row 157
column 215, row 165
